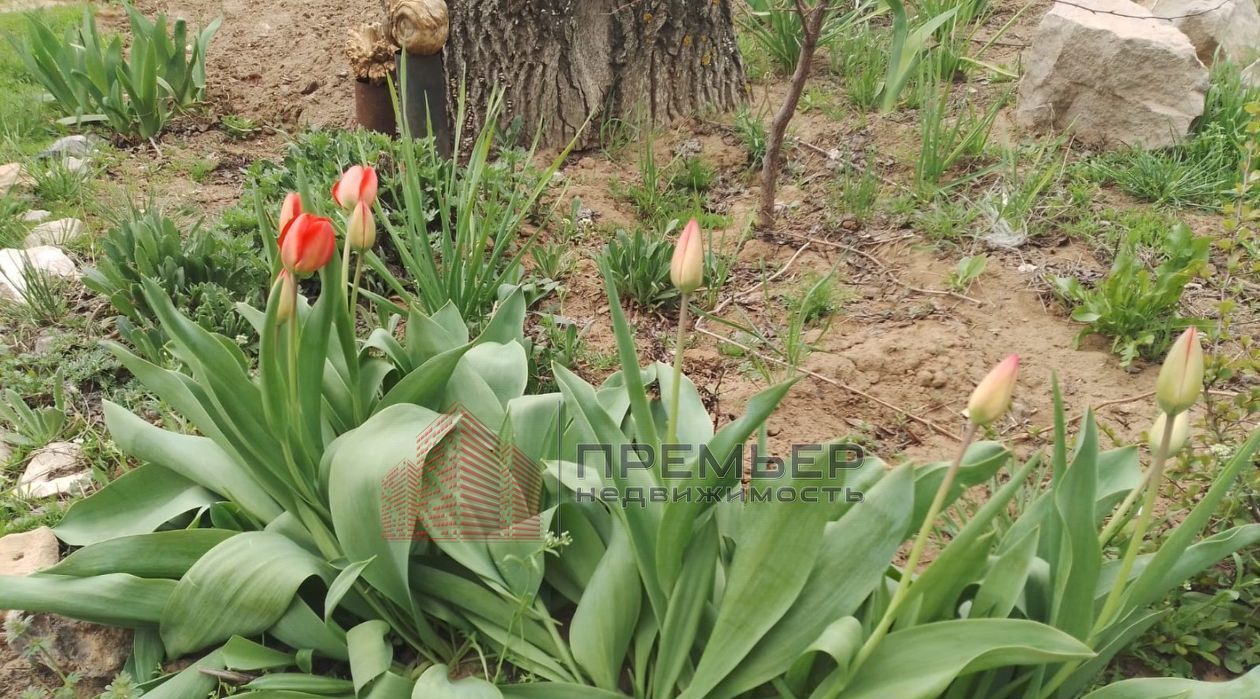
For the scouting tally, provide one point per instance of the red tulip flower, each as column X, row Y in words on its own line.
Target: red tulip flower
column 358, row 184
column 307, row 244
column 291, row 209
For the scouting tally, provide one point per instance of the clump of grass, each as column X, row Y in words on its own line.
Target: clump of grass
column 1201, row 172
column 1135, row 305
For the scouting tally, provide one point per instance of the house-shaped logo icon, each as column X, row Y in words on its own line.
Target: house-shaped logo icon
column 465, row 482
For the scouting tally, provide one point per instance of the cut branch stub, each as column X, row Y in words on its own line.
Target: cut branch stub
column 419, row 27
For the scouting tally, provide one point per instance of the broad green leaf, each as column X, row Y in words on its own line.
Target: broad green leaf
column 370, row 652
column 342, row 584
column 166, row 554
column 1076, row 570
column 244, row 654
column 300, row 682
column 116, row 599
column 606, row 617
column 765, row 577
column 198, row 459
column 435, row 683
column 1244, row 687
column 362, row 467
column 137, row 502
column 241, row 587
column 856, row 552
column 680, row 517
column 921, row 662
column 300, row 627
column 476, row 599
column 189, row 682
column 555, row 690
column 1004, row 582
column 687, row 603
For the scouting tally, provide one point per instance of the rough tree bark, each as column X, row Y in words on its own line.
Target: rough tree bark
column 560, row 61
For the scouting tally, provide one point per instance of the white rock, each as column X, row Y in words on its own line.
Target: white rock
column 57, row 469
column 1251, row 76
column 13, row 175
column 28, row 552
column 57, row 232
column 1233, row 26
column 36, row 216
column 6, row 452
column 48, row 259
column 78, row 166
column 1114, row 80
column 77, row 146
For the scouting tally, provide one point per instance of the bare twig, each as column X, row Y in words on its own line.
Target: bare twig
column 900, row 411
column 1097, row 11
column 883, row 269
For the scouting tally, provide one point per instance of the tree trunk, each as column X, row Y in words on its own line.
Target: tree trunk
column 562, row 61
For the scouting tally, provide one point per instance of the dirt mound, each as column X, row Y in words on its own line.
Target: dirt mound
column 278, row 62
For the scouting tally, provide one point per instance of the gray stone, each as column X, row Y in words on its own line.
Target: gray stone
column 1233, row 26
column 1251, row 76
column 78, row 166
column 57, row 232
column 28, row 552
column 57, row 469
column 77, row 146
column 36, row 216
column 13, row 175
column 1116, row 77
column 13, row 264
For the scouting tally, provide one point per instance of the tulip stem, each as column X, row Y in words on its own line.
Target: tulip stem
column 1155, row 480
column 354, row 291
column 345, row 267
column 1118, row 519
column 671, row 433
column 293, row 353
column 916, row 552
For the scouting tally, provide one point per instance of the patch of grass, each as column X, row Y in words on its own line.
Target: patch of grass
column 859, row 57
column 751, row 131
column 26, row 120
column 855, row 194
column 639, row 264
column 1201, row 172
column 240, row 128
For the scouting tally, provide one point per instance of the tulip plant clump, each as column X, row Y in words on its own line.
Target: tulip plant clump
column 255, row 534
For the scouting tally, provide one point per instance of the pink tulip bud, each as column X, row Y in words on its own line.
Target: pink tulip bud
column 686, row 270
column 358, row 184
column 291, row 209
column 288, row 296
column 992, row 397
column 361, row 229
column 1177, row 440
column 1181, row 377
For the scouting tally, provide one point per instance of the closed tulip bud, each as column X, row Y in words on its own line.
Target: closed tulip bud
column 287, row 288
column 358, row 184
column 1181, row 377
column 686, row 270
column 1177, row 440
column 361, row 229
column 307, row 244
column 992, row 397
column 291, row 209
